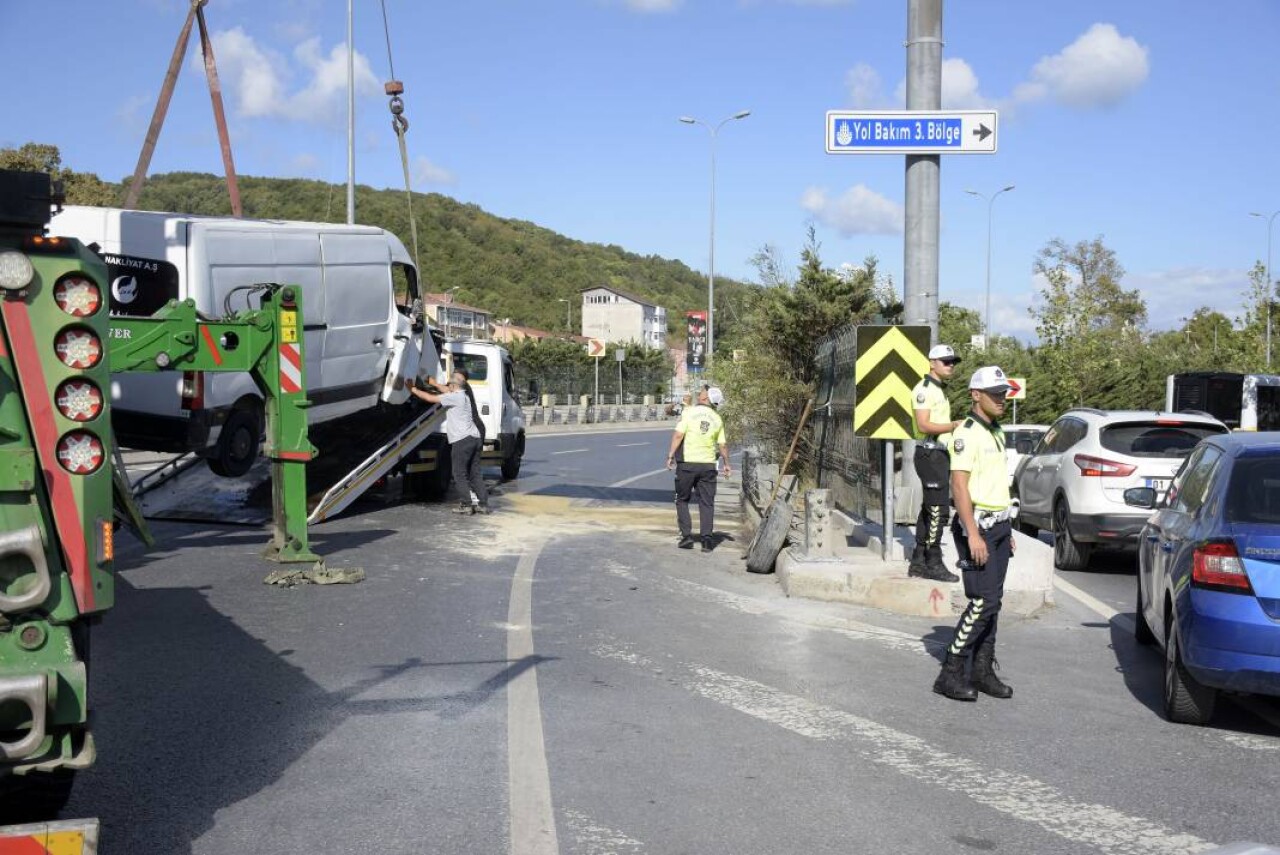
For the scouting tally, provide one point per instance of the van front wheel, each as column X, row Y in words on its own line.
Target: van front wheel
column 511, row 466
column 237, row 446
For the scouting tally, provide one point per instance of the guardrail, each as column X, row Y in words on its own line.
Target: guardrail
column 539, row 415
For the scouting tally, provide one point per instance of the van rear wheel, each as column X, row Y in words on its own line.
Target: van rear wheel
column 237, row 447
column 511, row 466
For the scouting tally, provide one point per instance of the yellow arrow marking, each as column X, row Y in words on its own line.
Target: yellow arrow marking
column 894, row 341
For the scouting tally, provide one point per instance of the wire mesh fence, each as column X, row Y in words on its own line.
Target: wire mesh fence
column 852, row 467
column 566, row 384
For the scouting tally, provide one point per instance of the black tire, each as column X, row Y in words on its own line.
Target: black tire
column 511, row 466
column 770, row 538
column 1141, row 632
column 432, row 486
column 1185, row 700
column 1067, row 553
column 238, row 443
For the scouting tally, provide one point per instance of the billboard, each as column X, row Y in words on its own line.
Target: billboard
column 696, row 348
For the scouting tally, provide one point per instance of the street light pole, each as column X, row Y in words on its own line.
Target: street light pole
column 711, row 272
column 1271, row 219
column 986, row 323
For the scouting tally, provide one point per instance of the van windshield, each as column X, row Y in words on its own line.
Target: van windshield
column 476, row 365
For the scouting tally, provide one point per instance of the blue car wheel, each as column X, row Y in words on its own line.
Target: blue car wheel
column 1185, row 700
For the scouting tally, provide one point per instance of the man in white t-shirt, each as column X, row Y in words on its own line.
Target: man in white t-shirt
column 465, row 439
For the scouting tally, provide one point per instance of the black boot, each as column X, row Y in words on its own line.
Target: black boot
column 935, row 568
column 952, row 683
column 984, row 673
column 917, row 567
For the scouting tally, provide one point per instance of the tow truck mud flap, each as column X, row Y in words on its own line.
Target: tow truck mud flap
column 31, row 690
column 26, row 542
column 68, row 837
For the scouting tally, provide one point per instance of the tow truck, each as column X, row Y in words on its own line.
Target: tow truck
column 62, row 496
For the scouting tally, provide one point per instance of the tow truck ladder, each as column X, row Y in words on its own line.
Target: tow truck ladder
column 360, row 479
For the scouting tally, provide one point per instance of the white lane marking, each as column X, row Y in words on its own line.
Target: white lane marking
column 625, row 481
column 636, row 429
column 595, row 839
column 1251, row 742
column 632, row 444
column 1019, row 796
column 572, row 451
column 533, row 819
column 1092, row 603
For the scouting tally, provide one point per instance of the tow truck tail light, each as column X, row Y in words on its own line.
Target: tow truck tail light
column 78, row 400
column 1097, row 467
column 1217, row 565
column 80, row 452
column 77, row 295
column 78, row 348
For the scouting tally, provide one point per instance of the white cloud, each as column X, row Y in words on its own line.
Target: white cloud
column 858, row 211
column 647, row 6
column 863, row 83
column 426, row 172
column 1172, row 295
column 258, row 79
column 1099, row 69
column 305, row 163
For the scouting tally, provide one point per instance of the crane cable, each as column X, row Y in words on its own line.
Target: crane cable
column 394, row 89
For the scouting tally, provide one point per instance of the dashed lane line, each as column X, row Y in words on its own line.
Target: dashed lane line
column 633, row 444
column 571, row 451
column 1015, row 795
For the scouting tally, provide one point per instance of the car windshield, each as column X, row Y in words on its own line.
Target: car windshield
column 1253, row 496
column 1156, row 439
column 1012, row 436
column 475, row 364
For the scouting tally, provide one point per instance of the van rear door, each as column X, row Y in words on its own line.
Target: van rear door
column 359, row 304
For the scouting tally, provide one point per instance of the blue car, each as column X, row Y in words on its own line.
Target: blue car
column 1209, row 573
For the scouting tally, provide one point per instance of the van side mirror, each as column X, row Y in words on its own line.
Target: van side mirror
column 1140, row 497
column 1025, row 446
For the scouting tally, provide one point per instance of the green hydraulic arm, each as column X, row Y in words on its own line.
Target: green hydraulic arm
column 267, row 343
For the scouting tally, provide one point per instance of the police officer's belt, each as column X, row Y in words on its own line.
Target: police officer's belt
column 986, row 519
column 930, row 445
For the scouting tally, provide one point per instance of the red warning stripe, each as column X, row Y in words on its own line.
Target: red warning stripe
column 22, row 846
column 62, row 495
column 213, row 346
column 290, row 368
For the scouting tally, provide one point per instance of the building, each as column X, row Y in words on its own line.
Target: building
column 508, row 332
column 616, row 316
column 455, row 320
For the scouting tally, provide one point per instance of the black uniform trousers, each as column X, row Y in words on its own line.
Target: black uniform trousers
column 984, row 586
column 466, row 470
column 696, row 480
column 933, row 466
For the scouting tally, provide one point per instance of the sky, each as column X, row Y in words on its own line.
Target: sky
column 1149, row 123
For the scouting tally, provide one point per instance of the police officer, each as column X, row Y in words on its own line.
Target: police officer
column 699, row 438
column 933, row 430
column 983, row 534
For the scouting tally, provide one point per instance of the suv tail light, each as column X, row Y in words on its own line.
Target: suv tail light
column 1217, row 565
column 1099, row 467
column 193, row 390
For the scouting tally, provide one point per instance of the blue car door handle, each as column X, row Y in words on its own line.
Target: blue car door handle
column 1166, row 545
column 1151, row 538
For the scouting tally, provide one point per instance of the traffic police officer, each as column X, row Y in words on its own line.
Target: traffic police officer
column 700, row 434
column 983, row 534
column 933, row 430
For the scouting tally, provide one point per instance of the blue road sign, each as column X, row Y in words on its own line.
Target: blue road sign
column 911, row 132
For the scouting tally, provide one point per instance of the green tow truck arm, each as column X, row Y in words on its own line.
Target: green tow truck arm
column 267, row 343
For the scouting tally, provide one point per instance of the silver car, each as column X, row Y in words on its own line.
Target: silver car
column 1073, row 482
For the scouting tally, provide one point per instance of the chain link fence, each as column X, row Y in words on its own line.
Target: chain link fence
column 852, row 467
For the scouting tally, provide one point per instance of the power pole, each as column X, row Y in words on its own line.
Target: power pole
column 923, row 171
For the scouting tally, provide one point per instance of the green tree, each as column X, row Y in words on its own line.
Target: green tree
column 81, row 188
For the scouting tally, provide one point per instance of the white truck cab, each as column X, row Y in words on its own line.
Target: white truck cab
column 493, row 382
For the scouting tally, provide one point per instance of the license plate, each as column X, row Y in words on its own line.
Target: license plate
column 1158, row 484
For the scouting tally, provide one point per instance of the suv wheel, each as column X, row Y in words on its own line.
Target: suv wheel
column 1067, row 553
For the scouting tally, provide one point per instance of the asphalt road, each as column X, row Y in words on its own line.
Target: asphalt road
column 558, row 678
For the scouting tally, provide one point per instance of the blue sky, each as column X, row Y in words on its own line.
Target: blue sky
column 1149, row 122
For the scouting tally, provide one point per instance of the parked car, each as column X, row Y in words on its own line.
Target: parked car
column 1073, row 482
column 1209, row 573
column 1019, row 441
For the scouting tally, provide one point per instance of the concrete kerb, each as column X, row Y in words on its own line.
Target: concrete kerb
column 859, row 575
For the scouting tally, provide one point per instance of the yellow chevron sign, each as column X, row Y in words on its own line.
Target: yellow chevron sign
column 891, row 360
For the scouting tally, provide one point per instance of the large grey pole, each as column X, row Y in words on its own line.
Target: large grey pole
column 351, row 113
column 924, row 92
column 1270, row 287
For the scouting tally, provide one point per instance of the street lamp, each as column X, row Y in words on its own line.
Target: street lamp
column 711, row 272
column 986, row 323
column 568, row 309
column 1270, row 220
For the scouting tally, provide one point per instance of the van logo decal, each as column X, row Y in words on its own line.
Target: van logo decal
column 125, row 289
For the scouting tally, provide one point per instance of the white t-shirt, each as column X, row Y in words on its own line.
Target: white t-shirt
column 458, row 423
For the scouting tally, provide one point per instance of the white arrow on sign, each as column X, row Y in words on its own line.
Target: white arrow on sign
column 595, row 347
column 912, row 131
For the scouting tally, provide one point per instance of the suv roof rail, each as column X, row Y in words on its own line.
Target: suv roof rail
column 1094, row 410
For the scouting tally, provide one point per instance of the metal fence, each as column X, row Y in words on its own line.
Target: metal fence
column 567, row 383
column 850, row 466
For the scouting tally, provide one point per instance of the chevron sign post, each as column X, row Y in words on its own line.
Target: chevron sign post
column 891, row 360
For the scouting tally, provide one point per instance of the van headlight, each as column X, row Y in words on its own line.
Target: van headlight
column 15, row 271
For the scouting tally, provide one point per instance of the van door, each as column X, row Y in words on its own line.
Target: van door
column 409, row 332
column 358, row 339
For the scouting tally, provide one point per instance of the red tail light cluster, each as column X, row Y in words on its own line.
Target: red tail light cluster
column 78, row 348
column 1217, row 565
column 78, row 400
column 80, row 452
column 192, row 390
column 1101, row 468
column 77, row 296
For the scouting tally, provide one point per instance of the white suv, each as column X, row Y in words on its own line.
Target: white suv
column 1073, row 482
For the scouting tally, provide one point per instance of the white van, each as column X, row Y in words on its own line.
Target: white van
column 363, row 333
